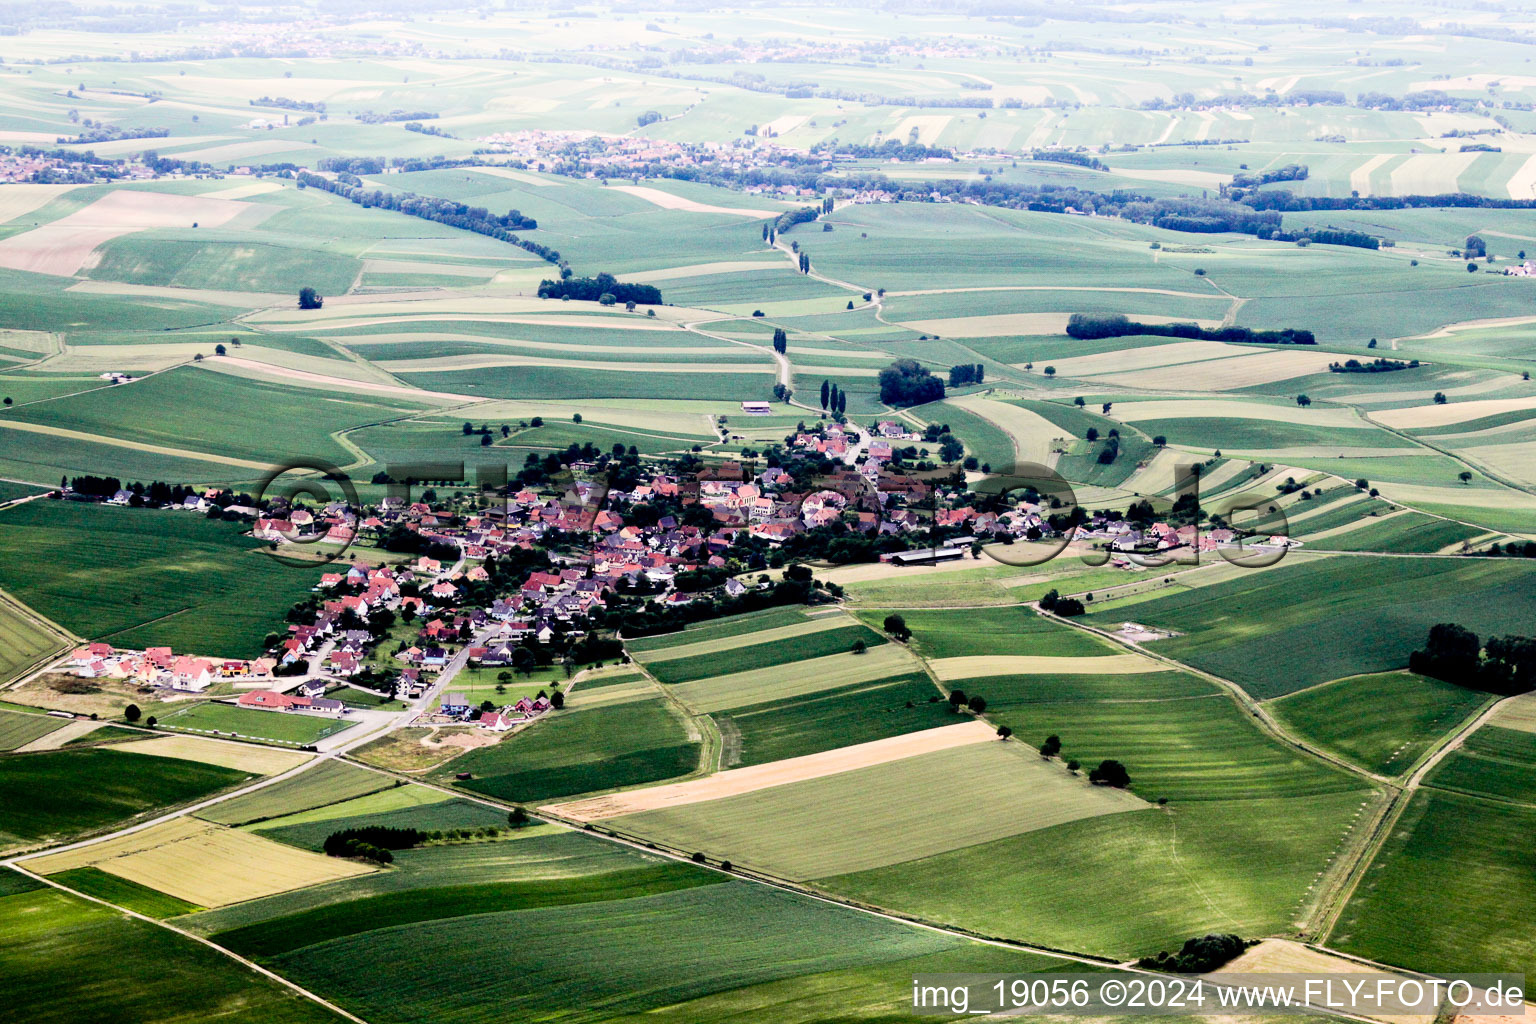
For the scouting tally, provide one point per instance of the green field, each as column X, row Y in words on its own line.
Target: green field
column 856, row 713
column 24, row 641
column 870, row 817
column 1112, row 885
column 1452, row 885
column 1298, row 624
column 580, row 752
column 90, row 789
column 138, row 898
column 328, row 783
column 1381, row 722
column 295, row 728
column 653, row 951
column 735, row 625
column 393, row 910
column 438, row 811
column 17, row 729
column 67, row 961
column 765, row 655
column 1493, row 762
column 182, row 581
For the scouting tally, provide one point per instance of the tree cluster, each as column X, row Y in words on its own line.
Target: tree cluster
column 1091, row 326
column 1453, row 654
column 371, row 842
column 442, row 211
column 907, row 382
column 1197, row 956
column 1374, row 366
column 966, row 373
column 592, row 289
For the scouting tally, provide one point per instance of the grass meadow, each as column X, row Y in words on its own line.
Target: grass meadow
column 177, row 579
column 1383, row 723
column 580, row 752
column 1299, row 624
column 137, row 971
column 1452, row 886
column 90, row 789
column 252, row 723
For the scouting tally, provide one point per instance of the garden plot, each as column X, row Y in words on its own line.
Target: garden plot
column 64, row 247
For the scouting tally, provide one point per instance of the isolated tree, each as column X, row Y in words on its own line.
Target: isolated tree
column 310, row 299
column 1303, row 401
column 151, row 722
column 517, row 817
column 468, row 428
column 131, row 713
column 977, row 704
column 8, row 400
column 523, row 661
column 506, row 431
column 1052, row 746
column 896, row 626
column 1464, row 476
column 219, row 350
column 1106, row 407
column 1073, row 766
column 1050, row 371
column 557, row 700
column 1440, row 398
column 1003, row 732
column 1079, row 401
column 826, row 393
column 1160, row 440
column 957, row 699
column 859, row 647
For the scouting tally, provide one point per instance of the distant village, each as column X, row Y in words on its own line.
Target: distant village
column 541, row 576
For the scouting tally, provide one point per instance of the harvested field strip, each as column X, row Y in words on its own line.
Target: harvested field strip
column 668, row 201
column 202, row 863
column 62, row 247
column 285, row 934
column 488, row 360
column 243, row 757
column 982, row 665
column 869, row 817
column 726, row 643
column 739, row 781
column 1422, row 416
column 1519, row 713
column 371, row 340
column 764, row 684
column 327, row 783
column 1032, row 434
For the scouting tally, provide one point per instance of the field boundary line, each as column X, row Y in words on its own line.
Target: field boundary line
column 249, row 964
column 1392, row 813
column 1242, row 697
